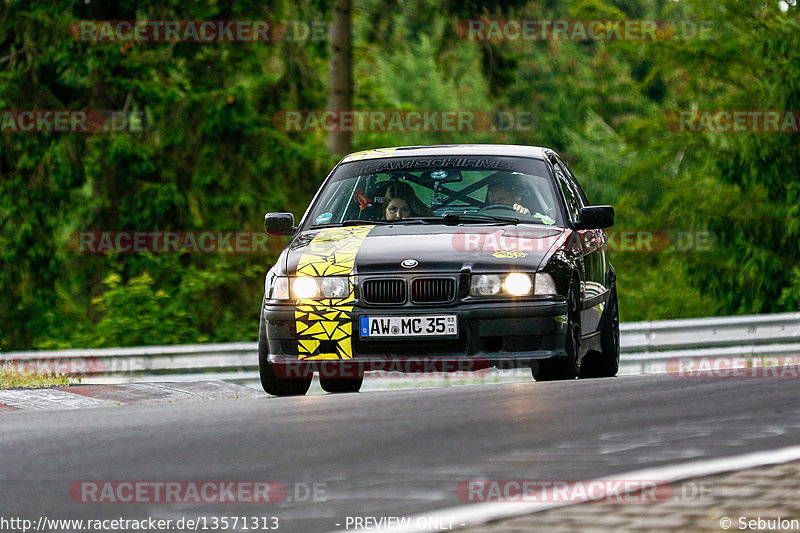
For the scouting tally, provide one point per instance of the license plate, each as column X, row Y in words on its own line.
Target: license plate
column 408, row 326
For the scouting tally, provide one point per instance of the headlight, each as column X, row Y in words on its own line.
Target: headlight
column 338, row 287
column 544, row 285
column 485, row 285
column 518, row 284
column 279, row 289
column 305, row 287
column 513, row 284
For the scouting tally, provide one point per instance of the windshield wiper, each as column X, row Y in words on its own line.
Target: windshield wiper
column 356, row 222
column 409, row 220
column 452, row 219
column 353, row 222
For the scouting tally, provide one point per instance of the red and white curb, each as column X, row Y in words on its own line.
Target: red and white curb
column 81, row 396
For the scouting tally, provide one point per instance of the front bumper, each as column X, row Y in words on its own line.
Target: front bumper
column 503, row 334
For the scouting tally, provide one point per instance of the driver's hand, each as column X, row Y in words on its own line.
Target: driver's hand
column 521, row 209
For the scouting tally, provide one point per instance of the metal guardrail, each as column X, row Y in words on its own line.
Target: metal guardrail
column 110, row 365
column 646, row 347
column 710, row 332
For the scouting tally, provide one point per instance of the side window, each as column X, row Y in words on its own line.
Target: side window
column 572, row 199
column 573, row 181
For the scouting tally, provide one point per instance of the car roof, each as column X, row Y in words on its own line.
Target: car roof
column 537, row 152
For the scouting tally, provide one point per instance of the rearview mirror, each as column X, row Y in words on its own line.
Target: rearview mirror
column 443, row 176
column 596, row 217
column 279, row 223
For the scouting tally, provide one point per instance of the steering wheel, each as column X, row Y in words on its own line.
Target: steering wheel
column 497, row 206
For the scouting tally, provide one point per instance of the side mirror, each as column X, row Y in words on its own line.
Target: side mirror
column 596, row 217
column 279, row 223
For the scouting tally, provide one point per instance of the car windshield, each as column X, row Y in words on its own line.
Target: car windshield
column 469, row 189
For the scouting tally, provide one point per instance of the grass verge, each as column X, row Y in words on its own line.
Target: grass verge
column 11, row 378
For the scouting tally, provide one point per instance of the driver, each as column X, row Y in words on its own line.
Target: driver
column 500, row 193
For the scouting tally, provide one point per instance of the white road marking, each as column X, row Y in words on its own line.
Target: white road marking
column 481, row 513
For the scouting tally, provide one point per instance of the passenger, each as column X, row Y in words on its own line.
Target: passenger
column 400, row 202
column 504, row 194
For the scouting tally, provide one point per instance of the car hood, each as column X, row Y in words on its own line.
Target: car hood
column 381, row 249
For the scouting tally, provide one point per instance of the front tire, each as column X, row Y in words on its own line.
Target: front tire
column 271, row 382
column 566, row 368
column 281, row 386
column 338, row 385
column 606, row 364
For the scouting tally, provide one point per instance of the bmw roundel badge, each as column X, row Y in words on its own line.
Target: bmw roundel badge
column 409, row 263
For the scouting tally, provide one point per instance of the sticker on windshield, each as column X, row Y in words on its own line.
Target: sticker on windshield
column 545, row 219
column 324, row 218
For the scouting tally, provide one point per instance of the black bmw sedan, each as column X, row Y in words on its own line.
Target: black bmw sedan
column 456, row 257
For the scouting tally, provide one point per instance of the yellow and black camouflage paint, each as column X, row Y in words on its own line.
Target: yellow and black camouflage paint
column 332, row 252
column 375, row 153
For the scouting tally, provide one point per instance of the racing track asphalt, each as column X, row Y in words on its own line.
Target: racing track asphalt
column 385, row 453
